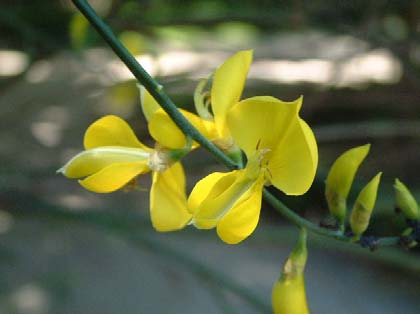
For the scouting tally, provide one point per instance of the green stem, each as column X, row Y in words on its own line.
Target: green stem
column 299, row 221
column 388, row 241
column 152, row 86
column 156, row 90
column 335, row 234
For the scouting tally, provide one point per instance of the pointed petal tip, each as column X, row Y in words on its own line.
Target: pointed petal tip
column 228, row 84
column 298, row 103
column 366, row 147
column 249, row 52
column 378, row 175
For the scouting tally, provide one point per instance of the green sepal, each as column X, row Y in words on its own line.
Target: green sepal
column 177, row 154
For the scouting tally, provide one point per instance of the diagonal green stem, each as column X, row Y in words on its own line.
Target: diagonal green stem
column 298, row 220
column 156, row 90
column 152, row 86
column 302, row 222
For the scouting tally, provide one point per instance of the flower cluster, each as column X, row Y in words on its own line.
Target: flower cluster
column 279, row 146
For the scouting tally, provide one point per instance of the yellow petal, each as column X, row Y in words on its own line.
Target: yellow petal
column 228, row 83
column 167, row 133
column 114, row 176
column 202, row 189
column 293, row 164
column 111, row 131
column 148, row 104
column 209, row 195
column 227, row 193
column 93, row 160
column 242, row 219
column 168, row 202
column 261, row 121
column 367, row 196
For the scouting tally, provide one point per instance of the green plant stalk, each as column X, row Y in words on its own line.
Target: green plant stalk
column 152, row 86
column 302, row 222
column 156, row 90
column 299, row 221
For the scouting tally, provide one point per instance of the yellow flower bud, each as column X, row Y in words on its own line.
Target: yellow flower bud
column 340, row 179
column 288, row 295
column 202, row 100
column 405, row 201
column 363, row 207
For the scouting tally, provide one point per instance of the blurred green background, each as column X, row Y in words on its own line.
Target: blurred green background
column 66, row 250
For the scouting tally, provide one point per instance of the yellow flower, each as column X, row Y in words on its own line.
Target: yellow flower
column 281, row 150
column 114, row 156
column 226, row 90
column 406, row 201
column 363, row 206
column 288, row 295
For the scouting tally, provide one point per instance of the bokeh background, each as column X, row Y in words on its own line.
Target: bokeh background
column 66, row 250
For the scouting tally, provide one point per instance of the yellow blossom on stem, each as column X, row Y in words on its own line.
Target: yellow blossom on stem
column 288, row 295
column 227, row 85
column 113, row 157
column 363, row 207
column 281, row 150
column 406, row 201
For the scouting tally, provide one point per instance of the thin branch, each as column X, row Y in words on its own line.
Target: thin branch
column 365, row 241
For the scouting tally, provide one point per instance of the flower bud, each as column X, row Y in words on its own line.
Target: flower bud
column 363, row 207
column 340, row 179
column 202, row 100
column 288, row 295
column 405, row 201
